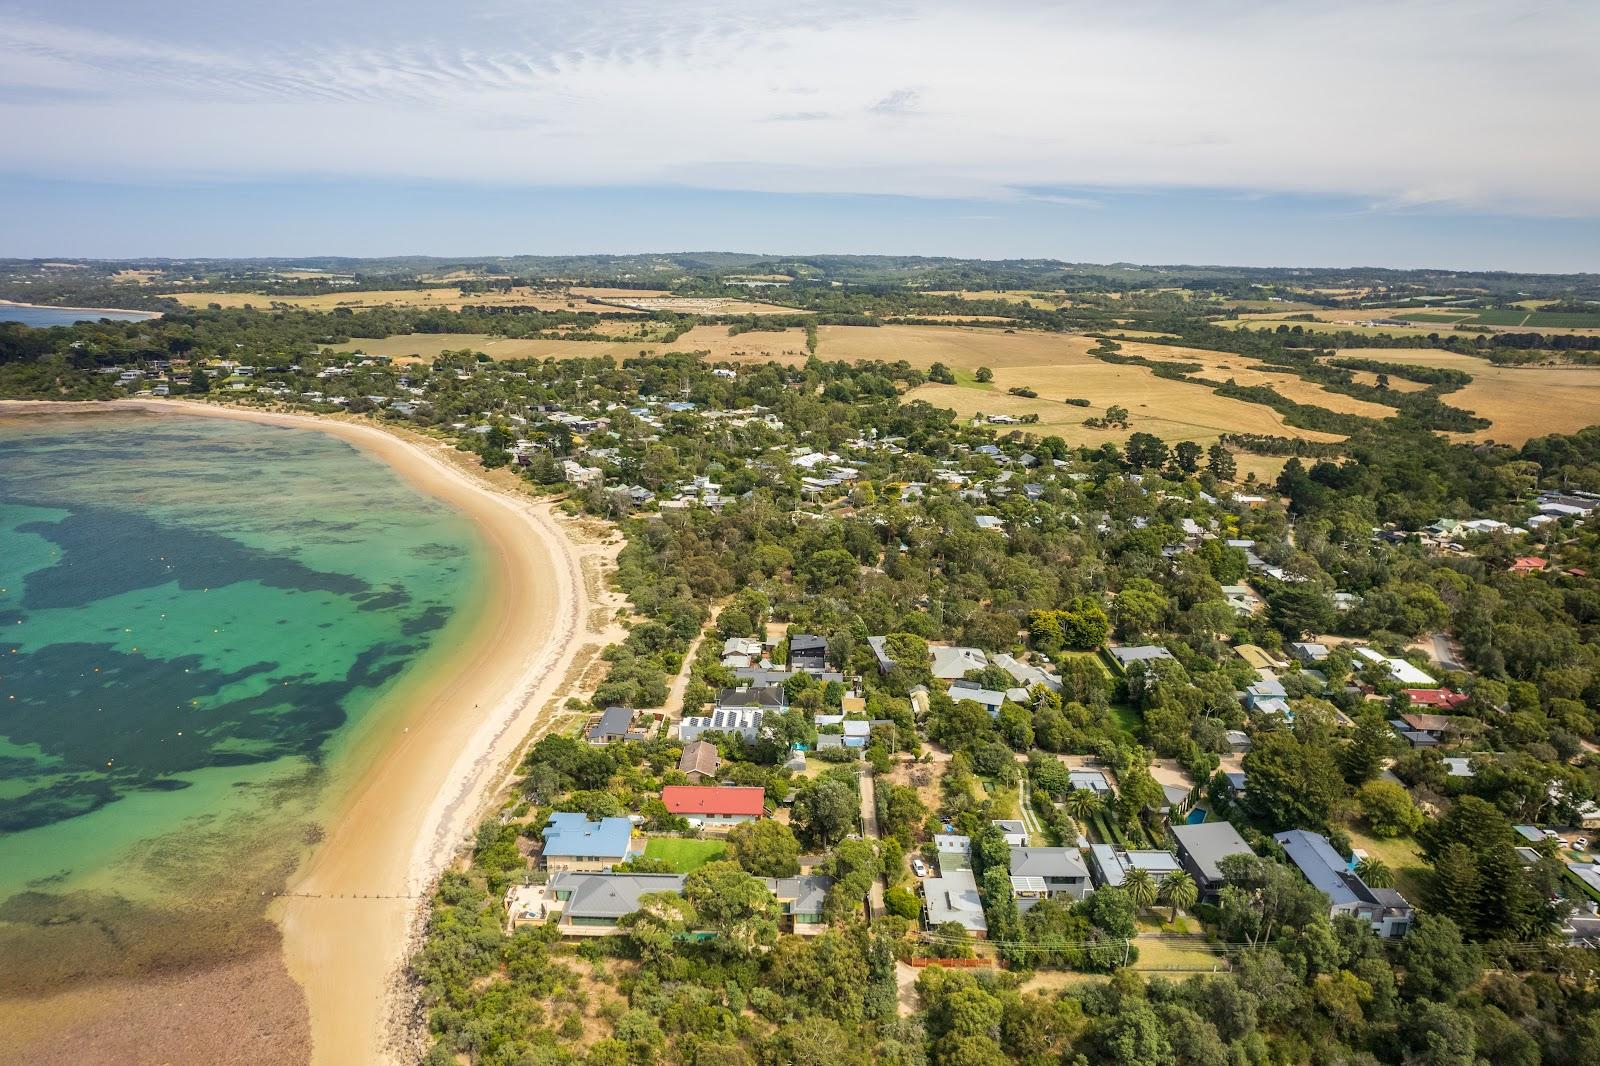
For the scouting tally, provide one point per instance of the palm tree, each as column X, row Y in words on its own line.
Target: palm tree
column 1082, row 804
column 1179, row 889
column 1141, row 888
column 1375, row 872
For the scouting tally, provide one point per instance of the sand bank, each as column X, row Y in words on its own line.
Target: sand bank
column 431, row 769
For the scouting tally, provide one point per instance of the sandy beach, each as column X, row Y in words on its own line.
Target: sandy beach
column 59, row 307
column 354, row 910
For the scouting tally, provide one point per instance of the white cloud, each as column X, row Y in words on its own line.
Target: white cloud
column 1470, row 105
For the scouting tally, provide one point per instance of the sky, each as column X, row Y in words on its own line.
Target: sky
column 1263, row 132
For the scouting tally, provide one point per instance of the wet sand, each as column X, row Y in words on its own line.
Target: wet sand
column 428, row 773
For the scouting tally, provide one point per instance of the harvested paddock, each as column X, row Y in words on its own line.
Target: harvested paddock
column 449, row 298
column 757, row 346
column 1522, row 402
column 1220, row 366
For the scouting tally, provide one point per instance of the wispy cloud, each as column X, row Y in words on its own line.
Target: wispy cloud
column 1394, row 104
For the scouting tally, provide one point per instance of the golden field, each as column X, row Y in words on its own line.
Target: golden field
column 787, row 346
column 1523, row 402
column 446, row 299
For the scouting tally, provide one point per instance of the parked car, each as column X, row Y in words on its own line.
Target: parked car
column 919, row 867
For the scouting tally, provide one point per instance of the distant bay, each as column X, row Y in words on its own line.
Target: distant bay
column 200, row 619
column 40, row 316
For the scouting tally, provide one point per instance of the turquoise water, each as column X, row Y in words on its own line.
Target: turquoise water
column 197, row 617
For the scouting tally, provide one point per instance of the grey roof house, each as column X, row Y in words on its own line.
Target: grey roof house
column 1047, row 873
column 1201, row 847
column 1387, row 910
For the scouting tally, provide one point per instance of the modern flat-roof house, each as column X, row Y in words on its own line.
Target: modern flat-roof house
column 880, row 652
column 1113, row 865
column 1094, row 780
column 572, row 841
column 1016, row 833
column 1201, row 847
column 1142, row 653
column 953, row 897
column 699, row 761
column 743, row 722
column 952, row 664
column 715, row 806
column 1047, row 873
column 801, row 900
column 808, row 652
column 1386, row 909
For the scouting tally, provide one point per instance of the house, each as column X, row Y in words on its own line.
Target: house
column 699, row 761
column 808, row 652
column 953, row 851
column 1142, row 653
column 614, row 724
column 1387, row 910
column 715, row 806
column 1015, row 832
column 1026, row 676
column 1243, row 599
column 1093, row 780
column 742, row 651
column 800, row 901
column 987, row 698
column 1434, row 725
column 592, row 904
column 952, row 664
column 1306, row 653
column 1201, row 847
column 880, row 652
column 743, row 722
column 1436, row 699
column 1266, row 688
column 1459, row 767
column 953, row 897
column 572, row 841
column 1398, row 669
column 1047, row 873
column 1112, row 865
column 1528, row 564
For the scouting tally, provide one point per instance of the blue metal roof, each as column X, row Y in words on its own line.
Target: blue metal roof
column 572, row 833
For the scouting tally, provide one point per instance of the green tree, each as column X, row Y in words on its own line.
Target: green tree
column 1180, row 892
column 1290, row 783
column 764, row 847
column 1141, row 888
column 984, row 374
column 734, row 904
column 1388, row 809
column 1220, row 462
column 825, row 809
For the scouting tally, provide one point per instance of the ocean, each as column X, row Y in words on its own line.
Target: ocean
column 30, row 315
column 199, row 620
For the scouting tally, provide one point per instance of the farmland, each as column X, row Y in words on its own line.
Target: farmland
column 758, row 346
column 448, row 298
column 1522, row 402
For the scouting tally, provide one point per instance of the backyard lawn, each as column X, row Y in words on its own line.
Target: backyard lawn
column 1400, row 854
column 684, row 855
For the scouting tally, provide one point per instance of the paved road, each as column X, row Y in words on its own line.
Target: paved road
column 869, row 830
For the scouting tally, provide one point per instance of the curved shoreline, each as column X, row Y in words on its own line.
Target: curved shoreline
column 427, row 775
column 110, row 310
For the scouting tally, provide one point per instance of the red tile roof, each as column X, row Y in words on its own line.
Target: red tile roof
column 1436, row 697
column 715, row 799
